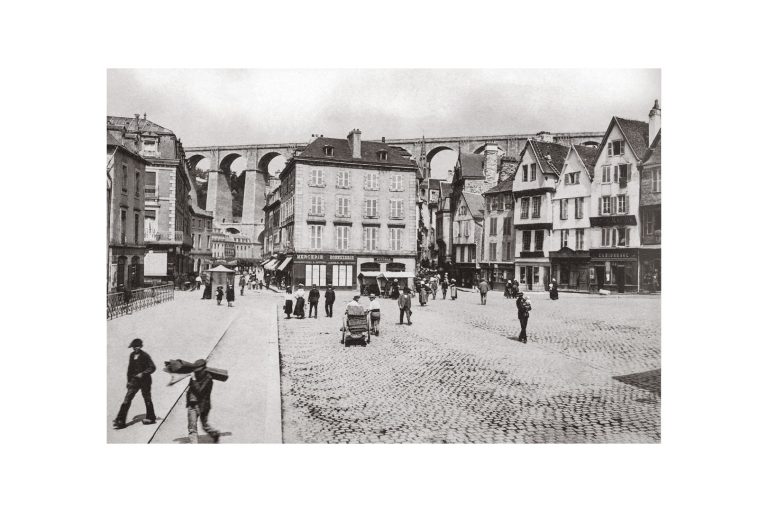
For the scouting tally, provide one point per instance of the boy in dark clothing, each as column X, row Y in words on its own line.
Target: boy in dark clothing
column 140, row 369
column 199, row 402
column 314, row 298
column 523, row 312
column 330, row 298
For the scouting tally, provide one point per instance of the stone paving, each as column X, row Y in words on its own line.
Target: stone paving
column 590, row 373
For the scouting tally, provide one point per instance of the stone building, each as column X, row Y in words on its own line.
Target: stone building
column 572, row 202
column 167, row 192
column 125, row 216
column 650, row 205
column 467, row 238
column 345, row 208
column 202, row 232
column 498, row 261
column 444, row 227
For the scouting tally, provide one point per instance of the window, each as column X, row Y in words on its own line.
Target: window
column 342, row 179
column 616, row 148
column 136, row 238
column 656, row 180
column 315, row 274
column 137, row 183
column 396, row 209
column 508, row 225
column 342, row 238
column 494, row 221
column 370, row 238
column 536, row 207
column 328, row 150
column 315, row 236
column 125, row 178
column 622, row 237
column 508, row 251
column 492, row 252
column 605, row 205
column 525, row 172
column 509, row 202
column 396, row 239
column 564, row 238
column 316, row 205
column 579, row 239
column 341, row 275
column 522, row 275
column 532, row 176
column 526, row 241
column 621, row 174
column 539, row 240
column 622, row 204
column 317, row 178
column 123, row 225
column 524, row 208
column 371, row 181
column 563, row 209
column 472, row 256
column 371, row 208
column 579, row 213
column 466, row 228
column 150, row 184
column 606, row 174
column 572, row 178
column 149, row 146
column 396, row 183
column 492, row 203
column 535, row 275
column 605, row 240
column 342, row 206
column 649, row 222
column 382, row 155
column 463, row 210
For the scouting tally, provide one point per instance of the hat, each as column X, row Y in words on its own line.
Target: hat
column 372, row 296
column 355, row 297
column 136, row 343
column 199, row 364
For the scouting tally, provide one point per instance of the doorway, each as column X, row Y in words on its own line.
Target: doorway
column 620, row 278
column 529, row 277
column 600, row 275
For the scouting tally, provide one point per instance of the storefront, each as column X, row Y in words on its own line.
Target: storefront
column 497, row 274
column 533, row 271
column 467, row 274
column 616, row 270
column 570, row 269
column 321, row 269
column 390, row 268
column 650, row 269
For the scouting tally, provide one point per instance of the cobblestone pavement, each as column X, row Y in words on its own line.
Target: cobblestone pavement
column 589, row 373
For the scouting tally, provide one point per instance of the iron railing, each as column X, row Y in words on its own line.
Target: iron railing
column 141, row 298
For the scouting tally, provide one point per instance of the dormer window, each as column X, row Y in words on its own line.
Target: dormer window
column 328, row 150
column 149, row 146
column 382, row 155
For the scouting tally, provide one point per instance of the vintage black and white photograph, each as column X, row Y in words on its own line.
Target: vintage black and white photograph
column 383, row 256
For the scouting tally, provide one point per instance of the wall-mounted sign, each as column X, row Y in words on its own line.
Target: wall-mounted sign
column 382, row 259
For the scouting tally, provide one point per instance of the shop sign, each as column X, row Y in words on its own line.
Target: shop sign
column 305, row 257
column 628, row 254
column 382, row 259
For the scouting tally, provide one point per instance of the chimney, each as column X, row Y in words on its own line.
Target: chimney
column 508, row 166
column 654, row 122
column 491, row 164
column 545, row 137
column 354, row 143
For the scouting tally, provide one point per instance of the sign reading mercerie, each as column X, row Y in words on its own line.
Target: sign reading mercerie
column 324, row 257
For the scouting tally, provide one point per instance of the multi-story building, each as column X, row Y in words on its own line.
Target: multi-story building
column 498, row 262
column 346, row 209
column 572, row 202
column 167, row 229
column 443, row 227
column 125, row 216
column 650, row 205
column 534, row 184
column 202, row 232
column 467, row 238
column 615, row 237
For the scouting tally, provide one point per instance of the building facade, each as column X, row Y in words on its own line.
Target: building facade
column 650, row 207
column 467, row 238
column 202, row 233
column 347, row 210
column 125, row 216
column 498, row 262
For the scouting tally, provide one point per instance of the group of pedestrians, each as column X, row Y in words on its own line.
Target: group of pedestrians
column 295, row 302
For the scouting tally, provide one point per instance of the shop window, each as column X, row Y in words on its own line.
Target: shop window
column 341, row 275
column 314, row 274
column 395, row 267
column 522, row 275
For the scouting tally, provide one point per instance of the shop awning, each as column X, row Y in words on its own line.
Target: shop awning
column 221, row 268
column 399, row 275
column 266, row 262
column 284, row 264
column 271, row 265
column 370, row 274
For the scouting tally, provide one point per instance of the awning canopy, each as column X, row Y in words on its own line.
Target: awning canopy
column 285, row 263
column 221, row 268
column 271, row 265
column 399, row 275
column 263, row 263
column 370, row 274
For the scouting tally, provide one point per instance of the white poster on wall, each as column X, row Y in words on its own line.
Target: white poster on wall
column 155, row 264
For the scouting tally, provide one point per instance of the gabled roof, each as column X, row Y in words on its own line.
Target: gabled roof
column 588, row 156
column 140, row 125
column 653, row 155
column 504, row 186
column 471, row 165
column 435, row 184
column 635, row 133
column 114, row 142
column 550, row 155
column 343, row 152
column 475, row 203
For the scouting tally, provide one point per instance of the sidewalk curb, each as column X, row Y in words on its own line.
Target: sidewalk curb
column 273, row 417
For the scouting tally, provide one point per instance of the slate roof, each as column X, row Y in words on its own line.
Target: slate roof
column 113, row 141
column 556, row 152
column 636, row 133
column 434, row 183
column 142, row 125
column 504, row 186
column 471, row 165
column 653, row 155
column 343, row 152
column 475, row 203
column 445, row 189
column 588, row 155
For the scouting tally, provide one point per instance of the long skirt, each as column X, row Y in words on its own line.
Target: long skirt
column 553, row 294
column 299, row 309
column 288, row 308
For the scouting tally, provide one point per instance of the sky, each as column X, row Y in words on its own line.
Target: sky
column 255, row 106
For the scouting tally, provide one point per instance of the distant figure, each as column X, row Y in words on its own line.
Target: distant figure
column 508, row 290
column 199, row 401
column 198, row 281
column 433, row 286
column 288, row 308
column 298, row 310
column 454, row 292
column 314, row 298
column 207, row 292
column 242, row 285
column 404, row 303
column 553, row 291
column 444, row 286
column 523, row 312
column 140, row 370
column 515, row 289
column 395, row 290
column 374, row 309
column 423, row 294
column 230, row 296
column 330, row 298
column 219, row 295
column 483, row 287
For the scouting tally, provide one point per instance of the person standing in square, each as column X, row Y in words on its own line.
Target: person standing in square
column 140, row 370
column 314, row 298
column 330, row 298
column 523, row 312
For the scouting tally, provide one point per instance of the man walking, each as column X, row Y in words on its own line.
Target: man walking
column 444, row 286
column 314, row 298
column 330, row 298
column 140, row 369
column 523, row 312
column 404, row 303
column 199, row 402
column 433, row 286
column 483, row 287
column 242, row 285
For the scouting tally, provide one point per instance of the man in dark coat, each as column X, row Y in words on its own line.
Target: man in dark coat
column 140, row 369
column 444, row 286
column 199, row 402
column 483, row 287
column 230, row 295
column 330, row 298
column 404, row 303
column 314, row 298
column 523, row 312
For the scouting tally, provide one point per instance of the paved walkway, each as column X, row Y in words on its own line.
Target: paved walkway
column 241, row 339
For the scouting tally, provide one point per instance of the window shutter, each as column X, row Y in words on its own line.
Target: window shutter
column 613, row 205
column 610, row 149
column 615, row 173
column 626, row 203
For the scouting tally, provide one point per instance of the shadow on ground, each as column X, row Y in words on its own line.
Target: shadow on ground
column 202, row 438
column 649, row 381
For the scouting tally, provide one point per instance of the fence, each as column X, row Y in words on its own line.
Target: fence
column 140, row 298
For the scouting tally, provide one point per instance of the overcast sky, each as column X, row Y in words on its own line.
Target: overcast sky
column 217, row 107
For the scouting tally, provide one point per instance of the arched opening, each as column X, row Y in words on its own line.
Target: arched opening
column 591, row 144
column 199, row 165
column 232, row 166
column 234, row 231
column 370, row 266
column 442, row 160
column 273, row 163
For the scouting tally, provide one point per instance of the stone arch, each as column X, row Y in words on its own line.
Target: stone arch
column 194, row 159
column 590, row 143
column 268, row 158
column 438, row 149
column 227, row 162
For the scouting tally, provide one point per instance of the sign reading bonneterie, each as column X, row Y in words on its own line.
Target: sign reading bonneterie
column 312, row 257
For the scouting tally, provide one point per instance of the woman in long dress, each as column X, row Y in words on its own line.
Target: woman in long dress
column 553, row 291
column 288, row 308
column 423, row 294
column 298, row 310
column 454, row 293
